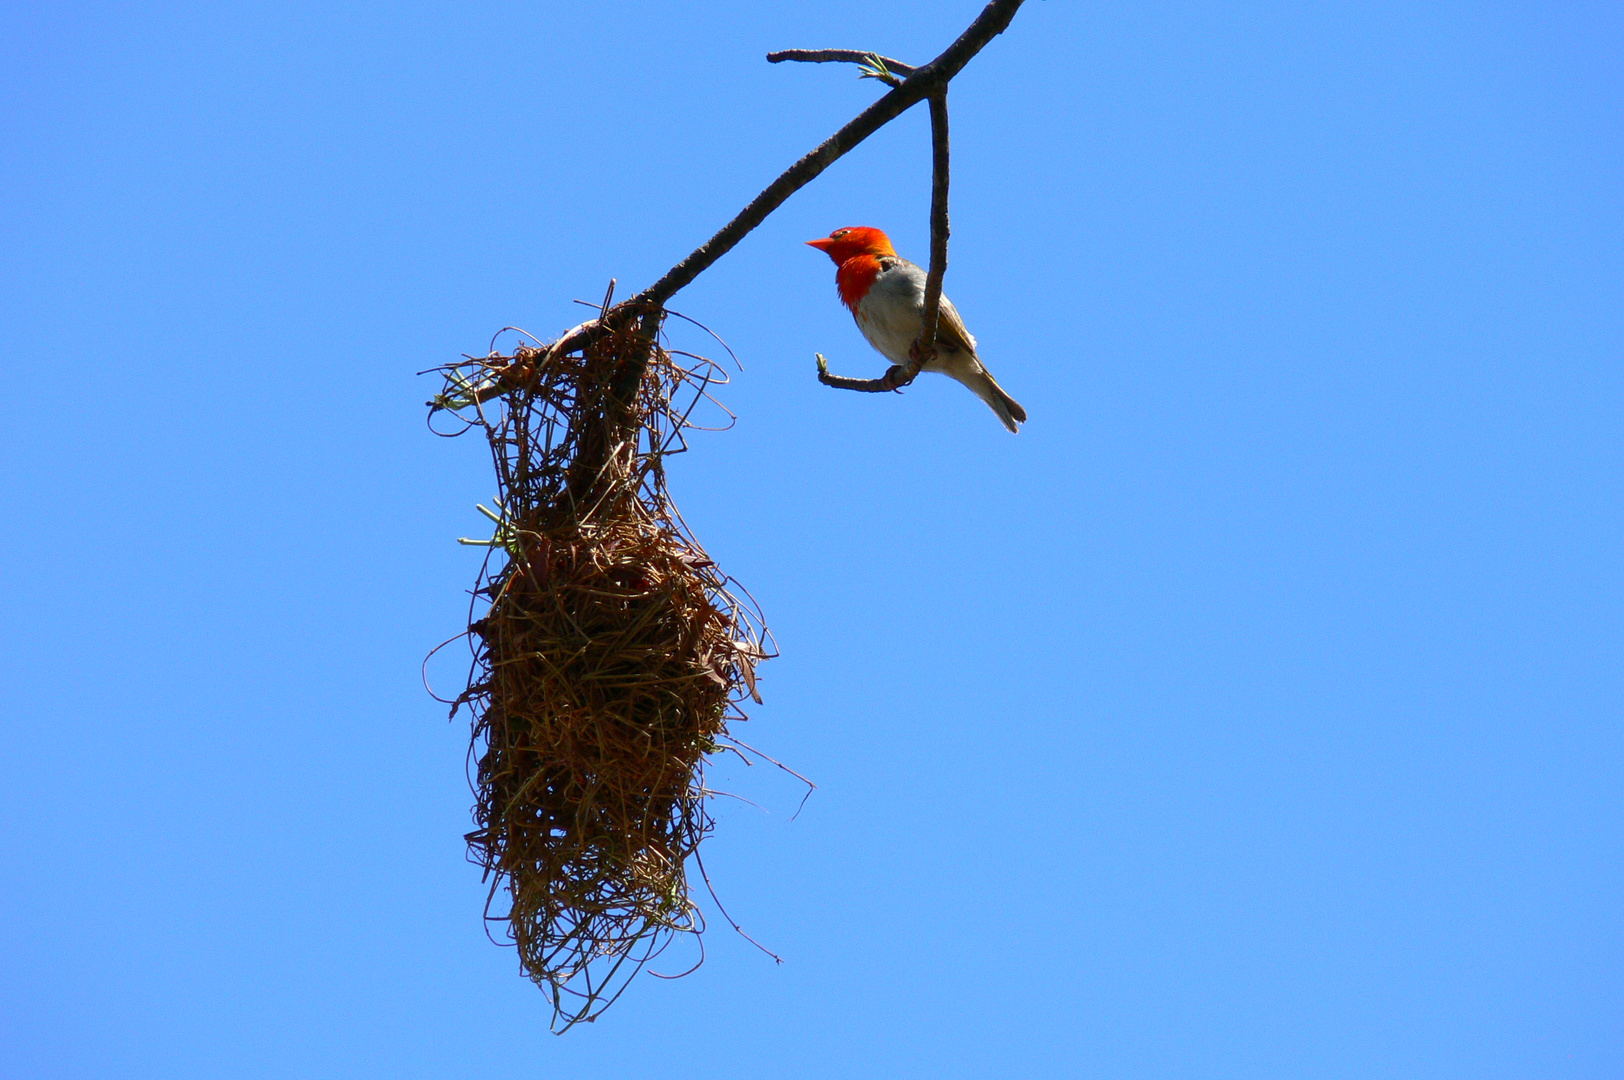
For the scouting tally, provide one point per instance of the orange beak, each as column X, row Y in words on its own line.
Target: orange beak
column 821, row 245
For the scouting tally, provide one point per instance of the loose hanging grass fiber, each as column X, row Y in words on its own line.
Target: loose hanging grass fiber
column 608, row 661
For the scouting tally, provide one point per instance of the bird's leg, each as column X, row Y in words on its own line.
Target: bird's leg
column 907, row 373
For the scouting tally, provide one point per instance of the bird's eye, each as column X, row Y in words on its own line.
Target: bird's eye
column 838, row 233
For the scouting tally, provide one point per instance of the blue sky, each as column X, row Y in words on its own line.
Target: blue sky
column 1253, row 713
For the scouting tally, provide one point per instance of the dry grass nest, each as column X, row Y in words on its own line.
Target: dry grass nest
column 609, row 656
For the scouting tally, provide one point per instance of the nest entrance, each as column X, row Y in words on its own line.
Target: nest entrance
column 608, row 663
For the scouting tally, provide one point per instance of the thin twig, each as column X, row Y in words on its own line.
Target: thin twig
column 840, row 56
column 939, row 232
column 697, row 963
column 873, row 65
column 737, row 929
column 810, row 786
column 883, row 385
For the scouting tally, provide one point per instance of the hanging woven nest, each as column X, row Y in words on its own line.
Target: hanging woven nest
column 608, row 660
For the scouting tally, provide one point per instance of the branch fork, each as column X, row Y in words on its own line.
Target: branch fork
column 909, row 86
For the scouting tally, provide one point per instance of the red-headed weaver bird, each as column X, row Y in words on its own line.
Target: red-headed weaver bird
column 886, row 294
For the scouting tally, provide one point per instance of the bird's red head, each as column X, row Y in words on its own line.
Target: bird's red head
column 843, row 244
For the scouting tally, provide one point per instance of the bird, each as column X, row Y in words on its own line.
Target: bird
column 886, row 295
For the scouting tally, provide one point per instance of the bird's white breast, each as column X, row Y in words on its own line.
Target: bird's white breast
column 892, row 311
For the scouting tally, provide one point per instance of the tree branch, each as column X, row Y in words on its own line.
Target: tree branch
column 882, row 385
column 921, row 83
column 925, row 351
column 918, row 86
column 847, row 56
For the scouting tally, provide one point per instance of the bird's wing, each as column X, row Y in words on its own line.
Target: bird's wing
column 950, row 329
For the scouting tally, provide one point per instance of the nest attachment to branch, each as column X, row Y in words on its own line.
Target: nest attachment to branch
column 608, row 660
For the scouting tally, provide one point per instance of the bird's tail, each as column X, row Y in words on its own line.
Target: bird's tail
column 987, row 389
